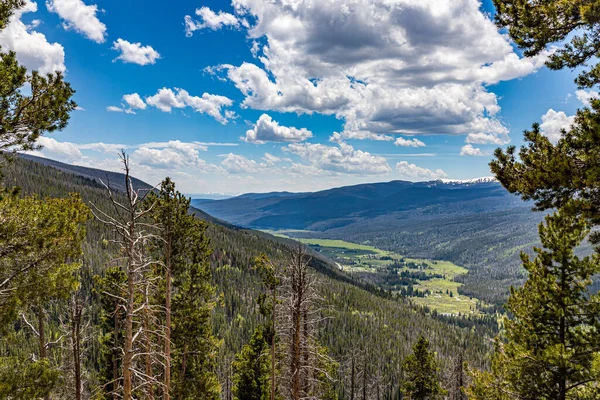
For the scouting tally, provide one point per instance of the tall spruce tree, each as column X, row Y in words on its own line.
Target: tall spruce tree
column 110, row 289
column 188, row 298
column 251, row 368
column 422, row 380
column 552, row 340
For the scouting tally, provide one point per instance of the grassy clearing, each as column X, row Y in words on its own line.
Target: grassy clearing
column 360, row 258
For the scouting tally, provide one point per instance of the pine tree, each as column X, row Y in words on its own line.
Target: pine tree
column 23, row 118
column 195, row 347
column 268, row 308
column 421, row 369
column 553, row 339
column 569, row 24
column 110, row 288
column 251, row 368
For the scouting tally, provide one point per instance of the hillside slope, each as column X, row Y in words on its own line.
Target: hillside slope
column 356, row 318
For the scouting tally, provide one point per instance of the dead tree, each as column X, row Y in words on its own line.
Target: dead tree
column 304, row 368
column 129, row 221
column 457, row 382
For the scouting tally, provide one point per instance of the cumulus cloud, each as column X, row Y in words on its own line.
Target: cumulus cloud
column 61, row 151
column 172, row 154
column 586, row 96
column 469, row 150
column 135, row 53
column 32, row 48
column 268, row 130
column 238, row 164
column 359, row 135
column 209, row 20
column 553, row 122
column 413, row 172
column 134, row 101
column 114, row 109
column 167, row 99
column 79, row 17
column 487, row 138
column 343, row 158
column 382, row 66
column 409, row 142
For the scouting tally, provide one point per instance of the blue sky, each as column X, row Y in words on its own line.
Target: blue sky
column 250, row 95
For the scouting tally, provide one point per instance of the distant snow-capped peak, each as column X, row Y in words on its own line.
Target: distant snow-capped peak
column 485, row 179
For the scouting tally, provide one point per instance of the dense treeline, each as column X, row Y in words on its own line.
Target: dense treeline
column 384, row 328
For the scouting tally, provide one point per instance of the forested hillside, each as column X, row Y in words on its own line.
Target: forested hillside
column 477, row 225
column 356, row 322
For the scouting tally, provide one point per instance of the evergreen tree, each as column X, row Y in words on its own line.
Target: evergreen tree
column 110, row 289
column 23, row 118
column 195, row 347
column 553, row 338
column 421, row 369
column 572, row 24
column 251, row 368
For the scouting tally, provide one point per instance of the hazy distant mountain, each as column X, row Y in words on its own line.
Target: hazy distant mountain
column 346, row 205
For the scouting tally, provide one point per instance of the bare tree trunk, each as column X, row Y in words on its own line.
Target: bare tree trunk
column 128, row 346
column 168, row 289
column 148, row 344
column 128, row 222
column 76, row 311
column 274, row 316
column 42, row 337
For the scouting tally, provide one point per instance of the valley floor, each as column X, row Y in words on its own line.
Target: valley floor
column 429, row 283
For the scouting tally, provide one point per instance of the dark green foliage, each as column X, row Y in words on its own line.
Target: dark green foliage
column 572, row 24
column 553, row 337
column 24, row 118
column 251, row 368
column 355, row 315
column 421, row 381
column 23, row 380
column 185, row 253
column 39, row 240
column 565, row 174
column 111, row 327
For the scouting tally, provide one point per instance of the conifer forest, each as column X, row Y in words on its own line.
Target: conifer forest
column 116, row 287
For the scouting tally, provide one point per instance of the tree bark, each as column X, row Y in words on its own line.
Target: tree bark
column 167, row 382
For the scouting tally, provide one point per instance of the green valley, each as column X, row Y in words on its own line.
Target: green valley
column 428, row 283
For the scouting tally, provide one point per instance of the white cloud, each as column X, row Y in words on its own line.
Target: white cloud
column 32, row 48
column 270, row 159
column 268, row 130
column 213, row 105
column 359, row 135
column 487, row 138
column 344, row 158
column 469, row 150
column 553, row 122
column 169, row 155
column 413, row 172
column 585, row 96
column 114, row 109
column 79, row 17
column 238, row 164
column 382, row 66
column 61, row 151
column 134, row 101
column 409, row 142
column 135, row 53
column 209, row 20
